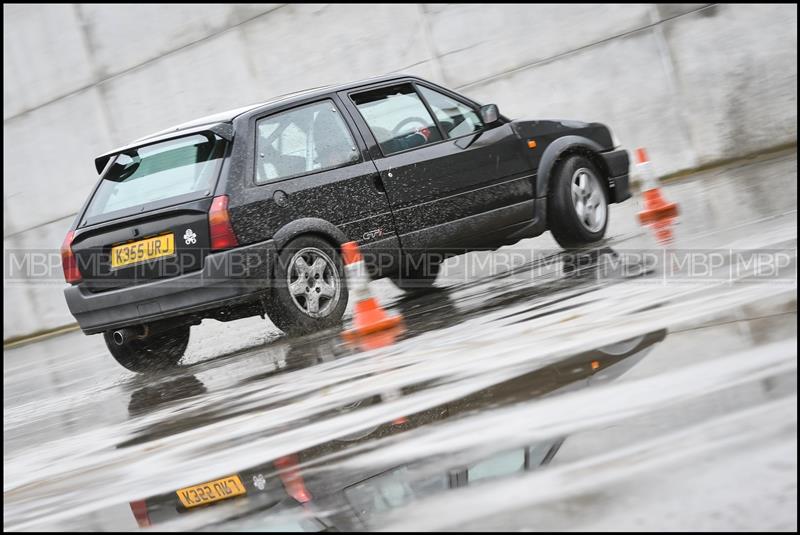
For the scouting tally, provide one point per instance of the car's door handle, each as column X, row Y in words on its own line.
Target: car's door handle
column 378, row 181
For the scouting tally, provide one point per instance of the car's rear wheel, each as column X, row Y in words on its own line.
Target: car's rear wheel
column 155, row 352
column 418, row 278
column 309, row 291
column 578, row 203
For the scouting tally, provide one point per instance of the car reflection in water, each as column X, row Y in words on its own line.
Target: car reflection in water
column 293, row 493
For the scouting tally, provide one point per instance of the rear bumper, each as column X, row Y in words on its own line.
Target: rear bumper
column 618, row 163
column 227, row 277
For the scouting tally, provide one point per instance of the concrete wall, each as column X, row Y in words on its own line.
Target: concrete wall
column 692, row 82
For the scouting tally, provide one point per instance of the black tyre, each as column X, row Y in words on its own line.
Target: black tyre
column 156, row 352
column 309, row 291
column 419, row 278
column 578, row 203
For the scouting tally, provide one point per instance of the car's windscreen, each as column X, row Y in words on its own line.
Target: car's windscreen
column 155, row 174
column 457, row 119
column 397, row 117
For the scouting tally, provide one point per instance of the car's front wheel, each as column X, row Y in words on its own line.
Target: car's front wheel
column 309, row 291
column 155, row 352
column 578, row 203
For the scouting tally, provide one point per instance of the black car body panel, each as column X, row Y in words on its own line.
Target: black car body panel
column 617, row 162
column 227, row 280
column 93, row 245
column 482, row 189
column 553, row 138
column 435, row 189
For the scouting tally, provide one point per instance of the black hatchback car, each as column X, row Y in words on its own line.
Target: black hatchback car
column 242, row 213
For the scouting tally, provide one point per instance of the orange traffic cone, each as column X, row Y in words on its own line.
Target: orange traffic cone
column 375, row 340
column 368, row 316
column 656, row 208
column 662, row 229
column 291, row 477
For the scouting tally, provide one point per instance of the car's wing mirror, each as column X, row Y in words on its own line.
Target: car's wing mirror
column 489, row 114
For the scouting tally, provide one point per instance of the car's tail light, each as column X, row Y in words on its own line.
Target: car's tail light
column 139, row 509
column 69, row 263
column 219, row 222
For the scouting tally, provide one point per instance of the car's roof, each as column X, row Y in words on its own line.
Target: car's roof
column 230, row 115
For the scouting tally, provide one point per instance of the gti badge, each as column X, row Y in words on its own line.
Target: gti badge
column 371, row 234
column 259, row 481
column 189, row 237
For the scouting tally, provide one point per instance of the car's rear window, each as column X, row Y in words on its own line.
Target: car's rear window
column 153, row 175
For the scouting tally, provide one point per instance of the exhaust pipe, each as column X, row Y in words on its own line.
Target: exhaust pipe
column 123, row 336
column 140, row 332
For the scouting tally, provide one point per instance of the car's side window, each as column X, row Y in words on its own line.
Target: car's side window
column 397, row 118
column 303, row 140
column 457, row 119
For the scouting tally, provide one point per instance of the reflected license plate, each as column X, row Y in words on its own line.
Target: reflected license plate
column 213, row 491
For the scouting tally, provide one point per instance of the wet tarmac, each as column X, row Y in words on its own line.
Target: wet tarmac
column 644, row 384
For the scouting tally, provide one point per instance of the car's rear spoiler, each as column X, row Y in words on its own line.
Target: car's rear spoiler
column 223, row 130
